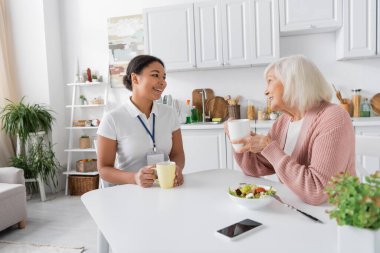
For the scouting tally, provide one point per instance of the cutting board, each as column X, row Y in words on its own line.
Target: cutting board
column 218, row 108
column 197, row 98
column 375, row 103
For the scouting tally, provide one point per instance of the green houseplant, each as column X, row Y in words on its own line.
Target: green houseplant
column 356, row 211
column 24, row 121
column 21, row 119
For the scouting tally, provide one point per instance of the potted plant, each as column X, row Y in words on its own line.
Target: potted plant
column 26, row 121
column 94, row 78
column 357, row 212
column 40, row 161
column 83, row 100
column 22, row 119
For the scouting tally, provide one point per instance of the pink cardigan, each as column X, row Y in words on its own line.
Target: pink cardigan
column 325, row 147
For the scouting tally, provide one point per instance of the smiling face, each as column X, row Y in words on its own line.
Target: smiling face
column 151, row 82
column 274, row 91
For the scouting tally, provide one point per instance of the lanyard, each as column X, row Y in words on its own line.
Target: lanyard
column 147, row 130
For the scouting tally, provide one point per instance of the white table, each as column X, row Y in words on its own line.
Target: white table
column 184, row 219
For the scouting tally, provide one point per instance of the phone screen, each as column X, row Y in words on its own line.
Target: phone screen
column 239, row 228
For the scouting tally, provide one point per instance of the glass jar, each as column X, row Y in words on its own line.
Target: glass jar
column 250, row 111
column 365, row 108
column 356, row 102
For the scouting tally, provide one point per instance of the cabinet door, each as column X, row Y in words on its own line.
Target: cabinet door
column 357, row 38
column 265, row 31
column 169, row 35
column 208, row 34
column 371, row 164
column 300, row 16
column 236, row 32
column 204, row 149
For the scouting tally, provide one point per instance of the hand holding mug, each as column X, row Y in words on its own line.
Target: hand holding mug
column 145, row 176
column 254, row 143
column 178, row 180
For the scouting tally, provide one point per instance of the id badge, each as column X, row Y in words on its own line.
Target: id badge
column 155, row 157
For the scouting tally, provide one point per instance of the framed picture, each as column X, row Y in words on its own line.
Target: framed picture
column 125, row 41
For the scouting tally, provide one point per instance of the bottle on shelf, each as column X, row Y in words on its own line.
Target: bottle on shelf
column 356, row 102
column 188, row 112
column 365, row 108
column 194, row 114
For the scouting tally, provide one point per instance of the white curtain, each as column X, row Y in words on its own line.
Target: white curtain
column 7, row 83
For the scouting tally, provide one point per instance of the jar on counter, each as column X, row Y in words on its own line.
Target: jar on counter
column 250, row 111
column 365, row 108
column 356, row 102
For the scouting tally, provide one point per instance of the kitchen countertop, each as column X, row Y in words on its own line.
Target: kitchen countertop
column 364, row 121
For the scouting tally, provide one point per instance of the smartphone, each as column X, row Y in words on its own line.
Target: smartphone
column 239, row 229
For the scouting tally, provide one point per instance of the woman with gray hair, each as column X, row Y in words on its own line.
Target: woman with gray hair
column 310, row 142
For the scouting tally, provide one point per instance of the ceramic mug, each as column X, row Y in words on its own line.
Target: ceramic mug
column 166, row 174
column 238, row 129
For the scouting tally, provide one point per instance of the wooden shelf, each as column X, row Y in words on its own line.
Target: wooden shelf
column 73, row 172
column 77, row 128
column 84, row 106
column 80, row 150
column 86, row 84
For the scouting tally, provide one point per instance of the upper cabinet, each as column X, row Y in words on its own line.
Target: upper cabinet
column 265, row 31
column 169, row 35
column 236, row 32
column 357, row 38
column 300, row 16
column 208, row 34
column 215, row 34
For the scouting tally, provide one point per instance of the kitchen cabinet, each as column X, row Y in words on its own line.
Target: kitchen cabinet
column 169, row 35
column 299, row 16
column 204, row 148
column 357, row 37
column 235, row 32
column 208, row 34
column 371, row 164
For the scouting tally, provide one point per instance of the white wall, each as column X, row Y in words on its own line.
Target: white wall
column 35, row 30
column 28, row 35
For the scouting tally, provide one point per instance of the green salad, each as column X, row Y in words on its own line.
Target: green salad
column 251, row 191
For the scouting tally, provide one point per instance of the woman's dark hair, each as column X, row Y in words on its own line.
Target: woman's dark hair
column 136, row 65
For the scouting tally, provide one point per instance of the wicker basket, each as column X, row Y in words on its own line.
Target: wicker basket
column 79, row 184
column 86, row 165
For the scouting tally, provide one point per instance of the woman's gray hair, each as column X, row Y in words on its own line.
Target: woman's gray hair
column 304, row 85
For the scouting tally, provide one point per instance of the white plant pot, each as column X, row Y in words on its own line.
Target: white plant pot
column 354, row 240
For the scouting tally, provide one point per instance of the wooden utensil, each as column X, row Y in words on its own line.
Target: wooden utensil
column 337, row 93
column 197, row 98
column 375, row 103
column 218, row 108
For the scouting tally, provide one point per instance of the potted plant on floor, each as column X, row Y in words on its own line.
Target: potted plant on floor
column 357, row 212
column 29, row 123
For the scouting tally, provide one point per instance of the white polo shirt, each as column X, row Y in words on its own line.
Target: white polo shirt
column 133, row 141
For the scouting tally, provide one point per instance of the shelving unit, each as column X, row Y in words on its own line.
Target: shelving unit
column 82, row 112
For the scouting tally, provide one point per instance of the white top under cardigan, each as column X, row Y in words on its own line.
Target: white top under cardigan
column 133, row 142
column 294, row 130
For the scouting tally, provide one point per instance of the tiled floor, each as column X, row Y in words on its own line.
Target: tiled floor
column 60, row 221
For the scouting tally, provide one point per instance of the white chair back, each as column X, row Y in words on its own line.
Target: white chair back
column 367, row 149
